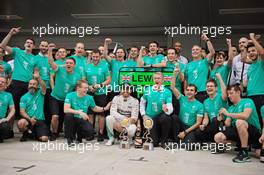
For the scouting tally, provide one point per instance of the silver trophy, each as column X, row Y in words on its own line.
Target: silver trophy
column 124, row 144
column 148, row 145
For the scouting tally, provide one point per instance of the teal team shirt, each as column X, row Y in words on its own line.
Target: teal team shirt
column 169, row 64
column 7, row 69
column 97, row 74
column 224, row 72
column 255, row 78
column 33, row 104
column 155, row 99
column 79, row 103
column 42, row 64
column 64, row 83
column 6, row 101
column 190, row 110
column 197, row 73
column 212, row 106
column 81, row 63
column 240, row 107
column 148, row 60
column 24, row 64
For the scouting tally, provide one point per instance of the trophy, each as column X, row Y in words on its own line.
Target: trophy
column 138, row 140
column 124, row 144
column 148, row 124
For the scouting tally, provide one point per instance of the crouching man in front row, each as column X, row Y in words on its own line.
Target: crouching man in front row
column 123, row 107
column 76, row 107
column 32, row 123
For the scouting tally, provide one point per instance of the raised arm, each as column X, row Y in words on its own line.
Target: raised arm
column 257, row 45
column 210, row 47
column 140, row 62
column 6, row 40
column 50, row 57
column 230, row 52
column 40, row 81
column 222, row 85
column 105, row 53
column 175, row 91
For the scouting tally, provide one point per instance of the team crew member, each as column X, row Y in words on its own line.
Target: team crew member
column 220, row 66
column 76, row 107
column 261, row 139
column 80, row 59
column 172, row 63
column 5, row 68
column 42, row 64
column 190, row 116
column 60, row 57
column 31, row 111
column 98, row 77
column 7, row 111
column 116, row 65
column 178, row 48
column 212, row 105
column 239, row 69
column 197, row 70
column 24, row 63
column 65, row 82
column 254, row 55
column 156, row 103
column 123, row 107
column 153, row 59
column 245, row 127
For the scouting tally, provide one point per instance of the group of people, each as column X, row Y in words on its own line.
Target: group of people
column 212, row 97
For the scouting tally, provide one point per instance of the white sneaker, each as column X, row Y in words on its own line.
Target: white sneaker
column 110, row 142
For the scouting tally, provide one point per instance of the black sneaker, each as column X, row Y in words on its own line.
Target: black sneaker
column 90, row 138
column 78, row 140
column 53, row 137
column 262, row 156
column 100, row 137
column 242, row 157
column 24, row 137
column 70, row 142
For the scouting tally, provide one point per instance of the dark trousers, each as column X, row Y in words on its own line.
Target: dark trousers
column 47, row 111
column 177, row 127
column 5, row 130
column 161, row 128
column 74, row 125
column 259, row 102
column 207, row 135
column 18, row 89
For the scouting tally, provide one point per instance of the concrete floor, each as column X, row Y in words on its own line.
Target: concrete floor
column 25, row 158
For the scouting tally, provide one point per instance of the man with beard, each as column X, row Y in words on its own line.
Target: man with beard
column 7, row 111
column 32, row 123
column 178, row 48
column 80, row 58
column 24, row 63
column 254, row 56
column 156, row 103
column 123, row 107
column 42, row 64
column 190, row 116
column 98, row 77
column 65, row 82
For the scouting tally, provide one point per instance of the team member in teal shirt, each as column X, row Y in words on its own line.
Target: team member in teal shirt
column 197, row 70
column 243, row 124
column 156, row 103
column 80, row 58
column 24, row 63
column 254, row 55
column 212, row 105
column 7, row 111
column 76, row 107
column 65, row 82
column 190, row 116
column 5, row 68
column 98, row 77
column 31, row 111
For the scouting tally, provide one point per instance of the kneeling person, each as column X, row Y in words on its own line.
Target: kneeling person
column 123, row 106
column 32, row 123
column 76, row 107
